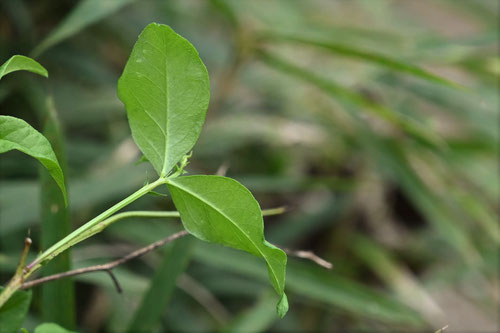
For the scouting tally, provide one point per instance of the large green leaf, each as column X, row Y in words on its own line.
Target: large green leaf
column 165, row 89
column 17, row 134
column 221, row 210
column 13, row 312
column 22, row 63
column 84, row 14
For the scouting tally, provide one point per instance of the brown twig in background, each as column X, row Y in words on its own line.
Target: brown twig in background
column 310, row 256
column 109, row 266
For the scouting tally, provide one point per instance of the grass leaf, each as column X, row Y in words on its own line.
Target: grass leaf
column 353, row 52
column 84, row 14
column 156, row 298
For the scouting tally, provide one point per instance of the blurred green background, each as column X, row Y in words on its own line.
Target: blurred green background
column 375, row 122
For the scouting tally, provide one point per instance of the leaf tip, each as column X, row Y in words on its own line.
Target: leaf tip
column 282, row 306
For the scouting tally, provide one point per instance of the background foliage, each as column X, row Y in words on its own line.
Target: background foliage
column 390, row 171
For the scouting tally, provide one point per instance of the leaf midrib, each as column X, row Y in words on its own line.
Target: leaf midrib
column 219, row 211
column 167, row 107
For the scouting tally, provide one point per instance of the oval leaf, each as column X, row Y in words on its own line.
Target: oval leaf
column 22, row 63
column 13, row 312
column 165, row 89
column 221, row 210
column 17, row 134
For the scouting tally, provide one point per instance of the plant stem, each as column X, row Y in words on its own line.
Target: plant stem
column 110, row 265
column 17, row 279
column 72, row 239
column 68, row 241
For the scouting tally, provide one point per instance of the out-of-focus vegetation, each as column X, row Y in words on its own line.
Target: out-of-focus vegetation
column 375, row 122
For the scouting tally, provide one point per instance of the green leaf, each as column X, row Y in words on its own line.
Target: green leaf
column 17, row 134
column 13, row 312
column 163, row 284
column 22, row 63
column 221, row 210
column 84, row 14
column 51, row 328
column 165, row 89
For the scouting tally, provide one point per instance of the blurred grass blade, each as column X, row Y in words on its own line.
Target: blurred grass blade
column 57, row 297
column 84, row 14
column 58, row 304
column 352, row 52
column 308, row 281
column 398, row 278
column 354, row 98
column 156, row 298
column 259, row 318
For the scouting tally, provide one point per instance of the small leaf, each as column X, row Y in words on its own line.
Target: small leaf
column 84, row 14
column 13, row 312
column 221, row 210
column 51, row 328
column 22, row 63
column 165, row 89
column 17, row 134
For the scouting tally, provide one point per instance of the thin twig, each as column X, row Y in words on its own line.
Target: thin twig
column 115, row 281
column 24, row 254
column 310, row 256
column 142, row 251
column 109, row 266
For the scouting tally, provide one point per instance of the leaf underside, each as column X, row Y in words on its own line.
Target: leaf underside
column 22, row 63
column 165, row 89
column 221, row 210
column 19, row 135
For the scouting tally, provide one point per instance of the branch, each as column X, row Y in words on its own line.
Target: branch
column 310, row 256
column 142, row 251
column 109, row 266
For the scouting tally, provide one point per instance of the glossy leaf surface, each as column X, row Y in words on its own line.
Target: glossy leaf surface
column 22, row 63
column 221, row 210
column 19, row 135
column 13, row 312
column 165, row 89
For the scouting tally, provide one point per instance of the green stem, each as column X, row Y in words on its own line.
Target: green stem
column 69, row 240
column 144, row 213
